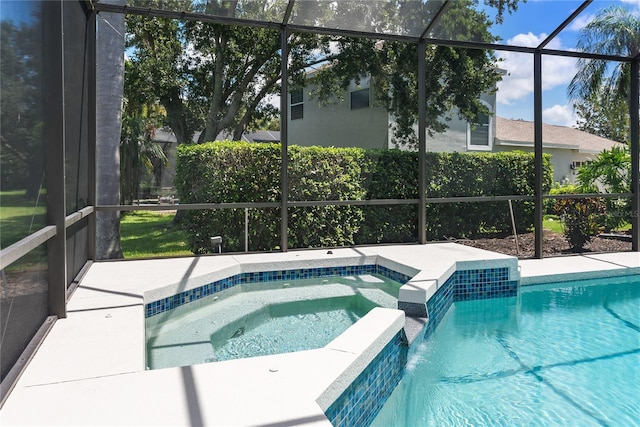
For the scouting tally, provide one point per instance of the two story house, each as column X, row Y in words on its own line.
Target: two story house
column 354, row 121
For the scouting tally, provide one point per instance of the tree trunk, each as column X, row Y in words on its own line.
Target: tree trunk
column 109, row 93
column 176, row 116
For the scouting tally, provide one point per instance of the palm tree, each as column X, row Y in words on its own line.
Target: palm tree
column 597, row 83
column 614, row 31
column 139, row 154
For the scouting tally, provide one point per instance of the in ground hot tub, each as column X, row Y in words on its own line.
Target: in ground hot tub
column 257, row 319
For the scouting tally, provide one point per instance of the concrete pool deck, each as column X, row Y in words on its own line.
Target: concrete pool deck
column 90, row 369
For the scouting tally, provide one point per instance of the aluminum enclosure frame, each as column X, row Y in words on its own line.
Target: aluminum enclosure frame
column 286, row 28
column 54, row 233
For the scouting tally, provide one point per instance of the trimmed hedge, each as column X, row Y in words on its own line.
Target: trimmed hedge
column 227, row 172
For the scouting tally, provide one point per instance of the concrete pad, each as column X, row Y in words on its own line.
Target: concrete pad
column 210, row 394
column 89, row 344
column 578, row 267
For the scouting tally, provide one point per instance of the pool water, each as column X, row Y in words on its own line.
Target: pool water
column 263, row 319
column 289, row 327
column 565, row 355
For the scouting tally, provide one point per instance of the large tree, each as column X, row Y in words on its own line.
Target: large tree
column 21, row 114
column 600, row 89
column 140, row 156
column 455, row 77
column 214, row 78
column 155, row 71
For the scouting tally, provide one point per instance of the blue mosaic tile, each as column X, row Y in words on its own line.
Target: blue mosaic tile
column 467, row 285
column 362, row 400
column 359, row 404
column 165, row 304
column 483, row 284
column 439, row 303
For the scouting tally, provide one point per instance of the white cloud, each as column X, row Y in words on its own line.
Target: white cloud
column 528, row 40
column 562, row 115
column 635, row 5
column 274, row 100
column 583, row 19
column 580, row 22
column 557, row 71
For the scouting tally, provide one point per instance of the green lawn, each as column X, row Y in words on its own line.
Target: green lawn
column 143, row 233
column 151, row 234
column 553, row 223
column 19, row 216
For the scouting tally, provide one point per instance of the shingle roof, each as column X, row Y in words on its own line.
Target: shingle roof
column 162, row 135
column 520, row 133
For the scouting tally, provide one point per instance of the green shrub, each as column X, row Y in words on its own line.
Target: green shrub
column 610, row 172
column 389, row 174
column 580, row 218
column 480, row 174
column 549, row 204
column 324, row 173
column 228, row 172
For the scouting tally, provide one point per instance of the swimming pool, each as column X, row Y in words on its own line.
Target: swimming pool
column 554, row 355
column 105, row 374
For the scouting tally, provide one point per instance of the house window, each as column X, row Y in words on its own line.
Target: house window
column 578, row 164
column 574, row 166
column 360, row 99
column 480, row 134
column 297, row 106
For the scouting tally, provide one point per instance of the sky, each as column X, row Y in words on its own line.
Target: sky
column 17, row 11
column 532, row 23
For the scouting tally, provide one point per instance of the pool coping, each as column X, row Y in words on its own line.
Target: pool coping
column 578, row 267
column 100, row 377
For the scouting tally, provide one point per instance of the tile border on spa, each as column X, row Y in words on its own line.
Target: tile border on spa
column 165, row 304
column 359, row 404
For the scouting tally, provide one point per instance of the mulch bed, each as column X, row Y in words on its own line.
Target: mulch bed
column 554, row 244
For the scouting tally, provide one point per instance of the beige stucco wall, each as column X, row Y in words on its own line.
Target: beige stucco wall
column 561, row 159
column 339, row 126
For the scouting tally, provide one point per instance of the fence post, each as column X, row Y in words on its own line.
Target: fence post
column 513, row 225
column 246, row 229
